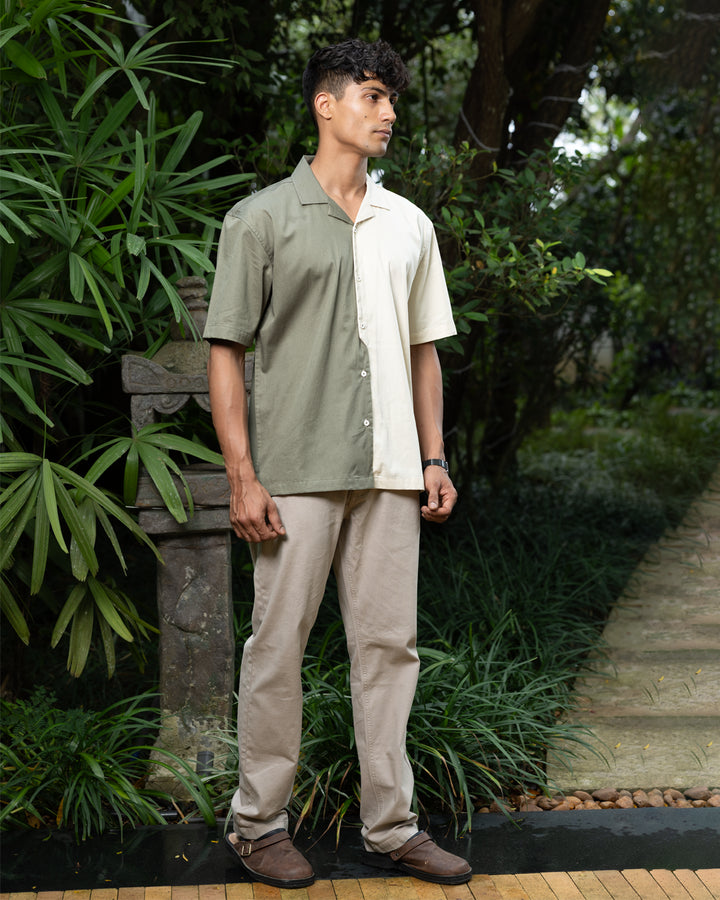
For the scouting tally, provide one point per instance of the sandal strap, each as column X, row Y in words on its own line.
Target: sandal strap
column 247, row 848
column 421, row 837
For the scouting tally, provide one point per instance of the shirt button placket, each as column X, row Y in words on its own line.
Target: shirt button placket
column 358, row 280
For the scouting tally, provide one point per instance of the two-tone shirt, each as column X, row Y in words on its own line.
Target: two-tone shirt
column 332, row 307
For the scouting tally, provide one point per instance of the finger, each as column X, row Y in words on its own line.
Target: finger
column 273, row 519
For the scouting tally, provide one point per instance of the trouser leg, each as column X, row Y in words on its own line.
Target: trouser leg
column 290, row 577
column 376, row 566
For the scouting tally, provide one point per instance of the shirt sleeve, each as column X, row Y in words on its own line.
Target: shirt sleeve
column 243, row 283
column 430, row 310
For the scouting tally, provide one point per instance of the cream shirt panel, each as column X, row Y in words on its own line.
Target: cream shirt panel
column 402, row 300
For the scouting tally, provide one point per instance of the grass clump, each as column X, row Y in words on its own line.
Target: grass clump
column 85, row 770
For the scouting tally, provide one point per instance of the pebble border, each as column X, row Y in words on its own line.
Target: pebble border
column 611, row 798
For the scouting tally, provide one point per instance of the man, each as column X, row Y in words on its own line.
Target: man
column 340, row 286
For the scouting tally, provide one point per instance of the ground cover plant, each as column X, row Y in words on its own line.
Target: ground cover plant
column 85, row 770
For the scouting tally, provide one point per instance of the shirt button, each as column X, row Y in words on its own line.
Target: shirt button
column 362, row 324
column 363, row 373
column 366, row 422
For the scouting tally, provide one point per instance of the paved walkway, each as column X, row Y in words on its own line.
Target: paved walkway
column 630, row 884
column 653, row 703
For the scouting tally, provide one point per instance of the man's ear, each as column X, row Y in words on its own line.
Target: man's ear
column 323, row 105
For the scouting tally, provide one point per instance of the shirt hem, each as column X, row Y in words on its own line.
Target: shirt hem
column 343, row 484
column 245, row 338
column 432, row 334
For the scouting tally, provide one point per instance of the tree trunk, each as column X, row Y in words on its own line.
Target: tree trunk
column 532, row 64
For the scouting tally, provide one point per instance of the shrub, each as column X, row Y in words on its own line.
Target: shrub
column 85, row 770
column 98, row 218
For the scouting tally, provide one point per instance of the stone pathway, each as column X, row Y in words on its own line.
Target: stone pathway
column 653, row 702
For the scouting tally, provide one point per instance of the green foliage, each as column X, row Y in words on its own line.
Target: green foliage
column 85, row 770
column 99, row 215
column 657, row 455
column 500, row 238
column 516, row 276
column 650, row 202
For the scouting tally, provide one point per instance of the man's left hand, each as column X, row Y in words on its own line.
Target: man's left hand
column 442, row 495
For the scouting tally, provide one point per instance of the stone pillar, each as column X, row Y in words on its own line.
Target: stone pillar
column 197, row 641
column 197, row 648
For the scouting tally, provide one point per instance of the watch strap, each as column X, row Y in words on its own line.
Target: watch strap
column 436, row 462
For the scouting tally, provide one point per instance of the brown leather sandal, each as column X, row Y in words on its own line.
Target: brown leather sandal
column 272, row 859
column 422, row 858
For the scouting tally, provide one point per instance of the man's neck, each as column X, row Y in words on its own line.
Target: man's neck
column 342, row 177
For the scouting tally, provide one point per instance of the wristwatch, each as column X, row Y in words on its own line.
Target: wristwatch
column 436, row 462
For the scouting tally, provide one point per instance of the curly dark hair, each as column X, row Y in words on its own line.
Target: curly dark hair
column 333, row 68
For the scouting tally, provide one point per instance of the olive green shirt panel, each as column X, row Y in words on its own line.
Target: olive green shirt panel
column 285, row 281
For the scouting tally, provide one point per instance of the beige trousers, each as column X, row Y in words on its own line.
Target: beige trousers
column 371, row 538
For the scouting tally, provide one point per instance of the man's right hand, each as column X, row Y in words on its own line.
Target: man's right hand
column 254, row 515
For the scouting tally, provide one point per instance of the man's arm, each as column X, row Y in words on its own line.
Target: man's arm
column 253, row 513
column 428, row 407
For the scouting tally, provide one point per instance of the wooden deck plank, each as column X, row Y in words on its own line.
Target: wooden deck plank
column 645, row 884
column 510, row 888
column 482, row 887
column 374, row 889
column 590, row 886
column 130, row 893
column 670, row 884
column 692, row 884
column 160, row 892
column 536, row 886
column 397, row 888
column 294, row 893
column 457, row 892
column 617, row 885
column 711, row 879
column 563, row 886
column 426, row 890
column 46, row 895
column 182, row 892
column 73, row 895
column 348, row 889
column 240, row 890
column 209, row 892
column 321, row 890
column 266, row 892
column 103, row 894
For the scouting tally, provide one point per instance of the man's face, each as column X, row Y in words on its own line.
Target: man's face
column 363, row 117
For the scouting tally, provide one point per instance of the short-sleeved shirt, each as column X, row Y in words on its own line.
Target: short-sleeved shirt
column 333, row 307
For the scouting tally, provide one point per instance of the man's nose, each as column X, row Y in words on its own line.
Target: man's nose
column 388, row 112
